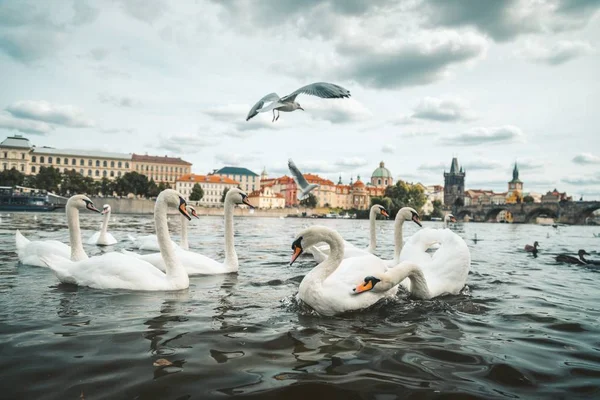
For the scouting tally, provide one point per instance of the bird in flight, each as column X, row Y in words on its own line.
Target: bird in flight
column 304, row 187
column 288, row 103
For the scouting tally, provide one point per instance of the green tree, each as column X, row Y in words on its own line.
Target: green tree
column 437, row 210
column 224, row 194
column 197, row 193
column 382, row 201
column 11, row 177
column 133, row 182
column 528, row 199
column 405, row 194
column 91, row 186
column 48, row 178
column 107, row 187
column 310, row 201
column 152, row 190
column 72, row 183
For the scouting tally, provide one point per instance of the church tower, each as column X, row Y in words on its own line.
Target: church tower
column 515, row 188
column 454, row 185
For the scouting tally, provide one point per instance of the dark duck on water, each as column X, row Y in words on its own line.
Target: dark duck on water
column 573, row 260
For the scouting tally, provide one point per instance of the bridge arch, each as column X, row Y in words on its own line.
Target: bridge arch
column 533, row 214
column 460, row 216
column 586, row 213
column 492, row 215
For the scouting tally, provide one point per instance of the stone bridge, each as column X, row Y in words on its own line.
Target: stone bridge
column 568, row 212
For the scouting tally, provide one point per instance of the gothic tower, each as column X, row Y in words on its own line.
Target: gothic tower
column 454, row 185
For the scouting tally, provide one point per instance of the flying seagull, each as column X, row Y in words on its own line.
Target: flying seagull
column 288, row 103
column 303, row 186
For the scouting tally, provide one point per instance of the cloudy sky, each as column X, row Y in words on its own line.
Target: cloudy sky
column 489, row 82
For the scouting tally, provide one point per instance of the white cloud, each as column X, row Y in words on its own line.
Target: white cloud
column 234, row 159
column 336, row 110
column 40, row 110
column 25, row 126
column 352, row 162
column 583, row 180
column 493, row 135
column 586, row 158
column 388, row 149
column 556, row 54
column 118, row 101
column 443, row 110
column 185, row 143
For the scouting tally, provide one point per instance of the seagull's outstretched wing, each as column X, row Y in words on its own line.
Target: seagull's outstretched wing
column 320, row 89
column 297, row 175
column 273, row 97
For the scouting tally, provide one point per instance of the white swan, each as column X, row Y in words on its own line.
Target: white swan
column 327, row 288
column 403, row 215
column 122, row 271
column 447, row 219
column 29, row 252
column 198, row 264
column 321, row 252
column 150, row 242
column 444, row 272
column 103, row 237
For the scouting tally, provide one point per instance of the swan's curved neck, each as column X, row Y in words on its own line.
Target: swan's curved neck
column 104, row 228
column 336, row 255
column 372, row 231
column 418, row 284
column 398, row 239
column 77, row 252
column 175, row 271
column 184, row 234
column 446, row 222
column 231, row 258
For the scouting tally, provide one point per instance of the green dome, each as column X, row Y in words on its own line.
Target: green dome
column 381, row 172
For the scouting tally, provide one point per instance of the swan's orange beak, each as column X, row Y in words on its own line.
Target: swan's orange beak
column 297, row 252
column 385, row 213
column 452, row 219
column 416, row 220
column 365, row 287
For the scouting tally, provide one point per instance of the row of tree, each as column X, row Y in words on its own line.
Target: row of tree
column 72, row 182
column 402, row 194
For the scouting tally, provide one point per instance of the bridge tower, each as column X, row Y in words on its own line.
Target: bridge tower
column 454, row 185
column 515, row 188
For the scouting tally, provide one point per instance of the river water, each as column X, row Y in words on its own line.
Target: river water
column 524, row 327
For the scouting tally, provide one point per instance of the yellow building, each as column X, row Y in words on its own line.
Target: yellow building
column 212, row 186
column 161, row 169
column 266, row 198
column 515, row 188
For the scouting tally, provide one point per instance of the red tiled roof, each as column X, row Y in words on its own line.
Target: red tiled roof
column 159, row 159
column 206, row 179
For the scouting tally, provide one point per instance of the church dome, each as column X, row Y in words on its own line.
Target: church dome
column 381, row 172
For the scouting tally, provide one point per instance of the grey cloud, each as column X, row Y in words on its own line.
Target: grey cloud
column 84, row 13
column 583, row 181
column 586, row 158
column 472, row 165
column 65, row 115
column 118, row 101
column 353, row 162
column 442, row 110
column 559, row 53
column 529, row 164
column 185, row 144
column 30, row 45
column 411, row 63
column 99, row 53
column 388, row 149
column 234, row 159
column 26, row 126
column 494, row 135
column 144, row 10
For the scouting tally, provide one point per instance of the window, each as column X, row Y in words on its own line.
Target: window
column 146, row 168
column 104, row 163
column 89, row 163
column 33, row 159
column 127, row 165
column 161, row 168
column 119, row 174
column 97, row 173
column 73, row 161
column 112, row 164
column 58, row 160
column 82, row 162
column 89, row 172
column 152, row 168
column 41, row 159
column 104, row 174
column 33, row 170
column 22, row 156
column 112, row 173
column 97, row 163
column 379, row 181
column 49, row 160
column 119, row 164
column 5, row 156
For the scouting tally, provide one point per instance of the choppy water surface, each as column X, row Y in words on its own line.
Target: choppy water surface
column 524, row 328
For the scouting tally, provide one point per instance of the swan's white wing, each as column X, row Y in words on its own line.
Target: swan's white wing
column 297, row 175
column 320, row 89
column 108, row 240
column 258, row 107
column 110, row 271
column 31, row 253
column 194, row 263
column 94, row 238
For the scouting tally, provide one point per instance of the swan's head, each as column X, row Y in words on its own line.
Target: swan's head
column 82, row 202
column 237, row 196
column 368, row 284
column 450, row 218
column 379, row 209
column 105, row 209
column 192, row 211
column 314, row 235
column 175, row 200
column 409, row 214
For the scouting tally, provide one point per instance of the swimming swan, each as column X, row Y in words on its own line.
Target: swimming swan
column 150, row 242
column 29, row 252
column 327, row 288
column 198, row 264
column 122, row 271
column 403, row 215
column 103, row 238
column 321, row 252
